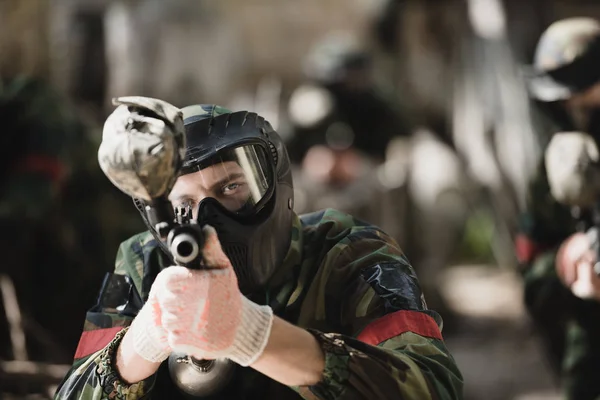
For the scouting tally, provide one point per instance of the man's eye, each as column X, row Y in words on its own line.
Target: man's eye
column 232, row 187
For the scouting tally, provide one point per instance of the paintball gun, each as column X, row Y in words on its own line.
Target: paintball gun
column 573, row 172
column 143, row 147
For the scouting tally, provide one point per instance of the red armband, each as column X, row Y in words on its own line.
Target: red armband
column 399, row 322
column 92, row 341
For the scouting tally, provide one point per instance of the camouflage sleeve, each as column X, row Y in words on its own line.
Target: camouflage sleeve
column 408, row 366
column 389, row 345
column 93, row 375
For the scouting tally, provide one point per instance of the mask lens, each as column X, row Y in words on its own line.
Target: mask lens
column 239, row 178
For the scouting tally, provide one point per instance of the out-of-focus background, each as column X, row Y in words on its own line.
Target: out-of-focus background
column 410, row 114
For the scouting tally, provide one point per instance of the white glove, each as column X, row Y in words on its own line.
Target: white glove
column 204, row 314
column 149, row 336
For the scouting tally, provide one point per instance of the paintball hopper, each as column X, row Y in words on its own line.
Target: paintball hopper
column 572, row 169
column 143, row 146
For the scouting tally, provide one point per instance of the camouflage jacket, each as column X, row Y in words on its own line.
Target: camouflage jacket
column 345, row 281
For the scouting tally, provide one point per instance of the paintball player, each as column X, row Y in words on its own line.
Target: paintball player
column 319, row 306
column 561, row 289
column 355, row 112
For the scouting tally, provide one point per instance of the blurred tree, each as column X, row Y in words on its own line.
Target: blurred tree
column 61, row 218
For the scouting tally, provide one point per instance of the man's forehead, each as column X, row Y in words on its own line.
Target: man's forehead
column 220, row 168
column 206, row 177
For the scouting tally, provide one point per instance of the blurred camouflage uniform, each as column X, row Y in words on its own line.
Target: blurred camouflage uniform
column 38, row 133
column 340, row 275
column 569, row 326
